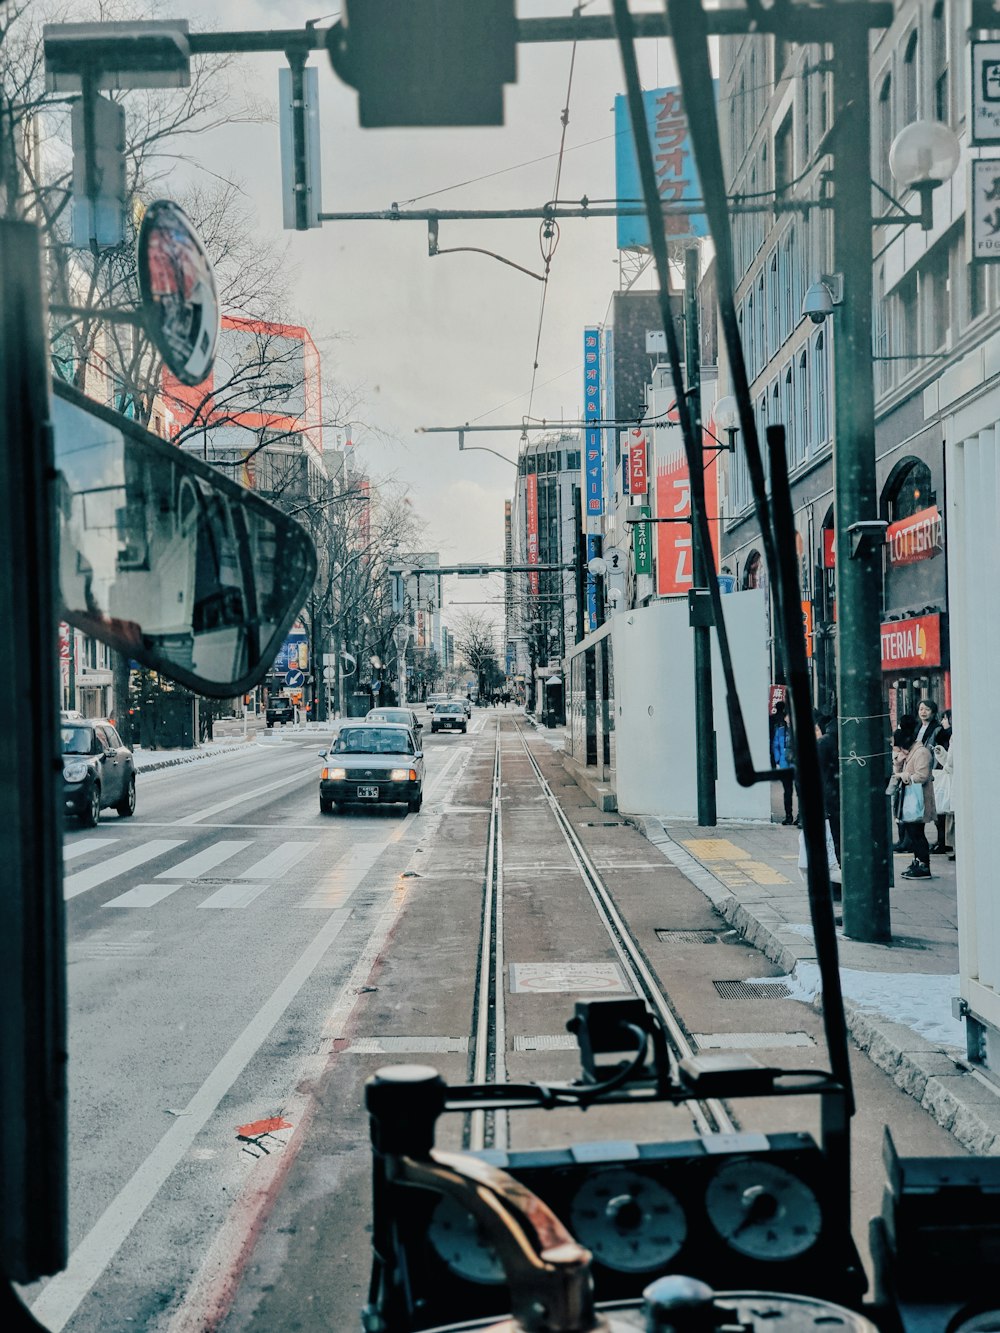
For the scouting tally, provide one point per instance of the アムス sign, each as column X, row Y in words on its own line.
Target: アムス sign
column 637, row 477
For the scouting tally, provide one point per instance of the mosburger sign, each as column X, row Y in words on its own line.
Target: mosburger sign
column 918, row 537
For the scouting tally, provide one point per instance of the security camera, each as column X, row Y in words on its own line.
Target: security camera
column 818, row 302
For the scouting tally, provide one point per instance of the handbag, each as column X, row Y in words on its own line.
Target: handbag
column 913, row 803
column 942, row 792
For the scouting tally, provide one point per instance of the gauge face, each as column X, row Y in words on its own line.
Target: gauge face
column 458, row 1239
column 628, row 1221
column 762, row 1210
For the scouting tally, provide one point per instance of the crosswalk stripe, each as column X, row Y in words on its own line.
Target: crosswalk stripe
column 281, row 859
column 144, row 895
column 75, row 849
column 94, row 876
column 203, row 861
column 235, row 895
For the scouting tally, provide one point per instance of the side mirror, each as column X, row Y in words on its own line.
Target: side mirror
column 418, row 754
column 322, row 754
column 167, row 560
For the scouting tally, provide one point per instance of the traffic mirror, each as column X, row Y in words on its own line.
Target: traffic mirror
column 165, row 559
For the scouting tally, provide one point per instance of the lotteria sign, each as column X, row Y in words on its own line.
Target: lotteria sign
column 911, row 643
column 918, row 537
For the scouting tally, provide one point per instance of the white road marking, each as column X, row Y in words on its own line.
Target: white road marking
column 75, row 849
column 284, row 856
column 117, row 865
column 204, row 861
column 235, row 895
column 245, row 797
column 62, row 1296
column 144, row 895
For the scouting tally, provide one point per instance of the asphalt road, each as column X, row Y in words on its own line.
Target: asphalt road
column 212, row 940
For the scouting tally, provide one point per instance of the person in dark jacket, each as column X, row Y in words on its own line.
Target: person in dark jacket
column 828, row 749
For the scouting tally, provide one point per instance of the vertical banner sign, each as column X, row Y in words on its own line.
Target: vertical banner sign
column 674, row 552
column 593, row 478
column 642, row 545
column 637, row 453
column 593, row 549
column 531, row 527
column 676, row 178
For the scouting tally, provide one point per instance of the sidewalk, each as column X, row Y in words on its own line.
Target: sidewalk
column 148, row 761
column 897, row 995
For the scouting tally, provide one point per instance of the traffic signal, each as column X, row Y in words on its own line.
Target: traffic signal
column 98, row 129
column 426, row 62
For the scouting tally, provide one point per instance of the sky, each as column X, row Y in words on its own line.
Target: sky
column 442, row 341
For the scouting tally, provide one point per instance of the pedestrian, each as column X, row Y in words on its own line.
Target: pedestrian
column 828, row 750
column 913, row 798
column 781, row 757
column 908, row 723
column 939, row 745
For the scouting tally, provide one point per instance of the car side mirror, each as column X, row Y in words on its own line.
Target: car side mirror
column 322, row 754
column 418, row 754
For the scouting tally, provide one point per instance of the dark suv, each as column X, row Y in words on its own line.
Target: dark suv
column 98, row 769
column 279, row 709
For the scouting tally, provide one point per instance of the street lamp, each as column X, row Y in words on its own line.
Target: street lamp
column 727, row 417
column 923, row 156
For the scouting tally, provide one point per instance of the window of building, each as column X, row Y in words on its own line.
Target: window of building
column 910, row 491
column 805, row 117
column 935, row 298
column 781, row 49
column 750, row 329
column 772, row 303
column 939, row 63
column 803, row 424
column 884, row 136
column 763, row 351
column 819, row 391
column 905, row 330
column 880, row 334
column 573, row 460
column 784, row 155
column 911, row 69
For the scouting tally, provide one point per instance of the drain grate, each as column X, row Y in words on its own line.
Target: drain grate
column 746, row 990
column 668, row 936
column 556, row 1042
column 740, row 1041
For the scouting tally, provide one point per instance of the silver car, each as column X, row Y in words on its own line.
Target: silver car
column 400, row 717
column 372, row 763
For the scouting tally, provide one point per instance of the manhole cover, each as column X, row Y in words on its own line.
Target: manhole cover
column 739, row 1041
column 568, row 978
column 747, row 990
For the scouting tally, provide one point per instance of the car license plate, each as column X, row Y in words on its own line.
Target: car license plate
column 368, row 793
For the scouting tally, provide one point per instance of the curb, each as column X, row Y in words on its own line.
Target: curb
column 946, row 1087
column 191, row 758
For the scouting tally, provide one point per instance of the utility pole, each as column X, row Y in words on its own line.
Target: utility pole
column 579, row 565
column 703, row 565
column 863, row 742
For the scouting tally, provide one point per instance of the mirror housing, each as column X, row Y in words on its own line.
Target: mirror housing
column 167, row 560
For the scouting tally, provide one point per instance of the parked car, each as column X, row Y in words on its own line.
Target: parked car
column 449, row 717
column 279, row 709
column 372, row 763
column 98, row 769
column 402, row 717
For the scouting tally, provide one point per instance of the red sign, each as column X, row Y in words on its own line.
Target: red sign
column 911, row 643
column 918, row 537
column 829, row 548
column 807, row 626
column 638, row 480
column 674, row 567
column 531, row 502
column 776, row 694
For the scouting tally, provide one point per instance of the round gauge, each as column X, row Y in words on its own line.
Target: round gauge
column 628, row 1221
column 762, row 1210
column 459, row 1240
column 985, row 1321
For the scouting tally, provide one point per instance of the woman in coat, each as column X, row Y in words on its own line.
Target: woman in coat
column 912, row 765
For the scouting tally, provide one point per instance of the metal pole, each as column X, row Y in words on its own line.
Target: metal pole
column 863, row 742
column 702, row 564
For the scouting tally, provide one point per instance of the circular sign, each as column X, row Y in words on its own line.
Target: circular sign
column 180, row 301
column 294, row 679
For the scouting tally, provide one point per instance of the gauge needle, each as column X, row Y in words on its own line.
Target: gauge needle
column 760, row 1206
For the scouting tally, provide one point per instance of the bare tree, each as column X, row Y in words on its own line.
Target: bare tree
column 476, row 644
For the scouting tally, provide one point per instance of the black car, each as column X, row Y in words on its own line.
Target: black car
column 279, row 709
column 98, row 769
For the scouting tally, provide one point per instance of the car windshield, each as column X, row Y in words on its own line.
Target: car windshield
column 450, row 708
column 373, row 740
column 76, row 740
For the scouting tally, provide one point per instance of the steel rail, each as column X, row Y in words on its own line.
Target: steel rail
column 628, row 950
column 490, row 977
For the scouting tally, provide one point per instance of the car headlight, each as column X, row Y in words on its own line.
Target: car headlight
column 75, row 772
column 403, row 775
column 335, row 774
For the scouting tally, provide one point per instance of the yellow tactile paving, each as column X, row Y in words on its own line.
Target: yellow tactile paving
column 761, row 873
column 716, row 849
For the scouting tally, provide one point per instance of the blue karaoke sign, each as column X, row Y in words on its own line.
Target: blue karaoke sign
column 593, row 463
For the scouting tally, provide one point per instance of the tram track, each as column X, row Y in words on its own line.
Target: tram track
column 488, row 1056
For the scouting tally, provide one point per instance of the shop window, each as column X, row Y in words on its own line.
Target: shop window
column 753, row 572
column 909, row 491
